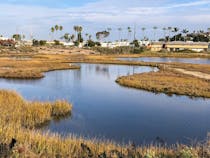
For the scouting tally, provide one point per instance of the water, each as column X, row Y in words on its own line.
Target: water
column 103, row 109
column 163, row 59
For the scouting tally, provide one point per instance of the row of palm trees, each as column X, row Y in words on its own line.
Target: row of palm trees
column 167, row 32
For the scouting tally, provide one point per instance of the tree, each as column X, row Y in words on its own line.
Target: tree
column 129, row 32
column 109, row 29
column 120, row 30
column 61, row 28
column 169, row 32
column 185, row 31
column 164, row 31
column 78, row 31
column 155, row 28
column 72, row 37
column 56, row 27
column 101, row 35
column 143, row 32
column 17, row 37
column 66, row 37
column 87, row 35
column 175, row 30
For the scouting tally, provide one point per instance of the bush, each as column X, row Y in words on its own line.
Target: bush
column 56, row 42
column 42, row 42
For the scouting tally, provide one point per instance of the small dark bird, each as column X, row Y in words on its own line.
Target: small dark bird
column 12, row 143
column 5, row 149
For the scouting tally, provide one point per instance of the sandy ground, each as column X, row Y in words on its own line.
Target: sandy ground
column 194, row 73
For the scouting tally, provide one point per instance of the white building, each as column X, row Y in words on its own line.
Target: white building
column 115, row 44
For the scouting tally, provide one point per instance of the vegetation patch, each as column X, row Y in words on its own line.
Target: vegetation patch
column 168, row 82
column 19, row 138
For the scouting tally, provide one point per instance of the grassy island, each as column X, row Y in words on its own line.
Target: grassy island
column 168, row 82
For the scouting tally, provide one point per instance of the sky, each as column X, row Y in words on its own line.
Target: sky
column 36, row 17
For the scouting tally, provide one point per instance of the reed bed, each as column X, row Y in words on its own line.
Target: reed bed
column 168, row 82
column 18, row 120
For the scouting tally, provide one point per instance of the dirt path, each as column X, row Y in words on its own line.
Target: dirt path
column 194, row 73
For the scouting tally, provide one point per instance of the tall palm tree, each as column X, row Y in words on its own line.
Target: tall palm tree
column 169, row 32
column 164, row 31
column 61, row 28
column 87, row 35
column 155, row 28
column 185, row 31
column 129, row 32
column 120, row 30
column 143, row 32
column 75, row 30
column 109, row 30
column 52, row 31
column 72, row 37
column 78, row 31
column 56, row 27
column 175, row 30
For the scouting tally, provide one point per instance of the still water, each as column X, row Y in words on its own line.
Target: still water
column 180, row 60
column 103, row 109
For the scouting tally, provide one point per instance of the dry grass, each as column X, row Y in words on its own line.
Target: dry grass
column 166, row 54
column 30, row 69
column 168, row 82
column 18, row 117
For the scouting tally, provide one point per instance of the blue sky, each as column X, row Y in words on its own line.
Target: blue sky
column 37, row 16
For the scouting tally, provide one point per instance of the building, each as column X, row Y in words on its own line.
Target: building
column 115, row 44
column 179, row 46
column 7, row 42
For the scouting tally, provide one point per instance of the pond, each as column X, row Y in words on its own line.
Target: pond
column 102, row 109
column 167, row 59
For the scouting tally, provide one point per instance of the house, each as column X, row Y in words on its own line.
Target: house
column 115, row 44
column 179, row 46
column 7, row 42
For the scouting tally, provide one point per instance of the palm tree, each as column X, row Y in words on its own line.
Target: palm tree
column 208, row 29
column 90, row 36
column 120, row 30
column 78, row 31
column 143, row 32
column 56, row 27
column 155, row 28
column 72, row 37
column 87, row 35
column 164, row 31
column 169, row 32
column 185, row 31
column 129, row 32
column 52, row 31
column 109, row 30
column 60, row 28
column 175, row 30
